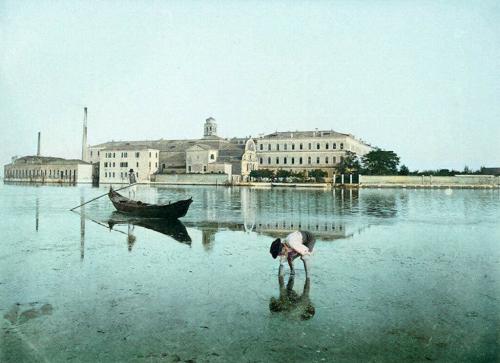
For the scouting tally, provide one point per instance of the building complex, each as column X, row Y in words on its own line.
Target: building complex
column 233, row 158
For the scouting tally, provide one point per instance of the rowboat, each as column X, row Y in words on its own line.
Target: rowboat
column 140, row 209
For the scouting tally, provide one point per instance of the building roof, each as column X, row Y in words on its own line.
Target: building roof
column 304, row 134
column 128, row 147
column 46, row 160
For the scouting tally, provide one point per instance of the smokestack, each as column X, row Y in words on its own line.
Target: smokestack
column 38, row 145
column 84, row 138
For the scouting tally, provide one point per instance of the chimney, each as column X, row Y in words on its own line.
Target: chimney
column 38, row 145
column 84, row 137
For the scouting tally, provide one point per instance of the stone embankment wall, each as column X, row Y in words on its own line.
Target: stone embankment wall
column 458, row 181
column 189, row 179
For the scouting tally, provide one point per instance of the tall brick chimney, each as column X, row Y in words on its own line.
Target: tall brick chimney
column 38, row 145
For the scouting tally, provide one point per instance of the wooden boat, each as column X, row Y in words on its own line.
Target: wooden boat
column 140, row 209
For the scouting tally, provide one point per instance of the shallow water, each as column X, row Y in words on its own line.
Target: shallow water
column 397, row 275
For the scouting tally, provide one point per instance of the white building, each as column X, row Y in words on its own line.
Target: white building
column 307, row 150
column 45, row 169
column 115, row 163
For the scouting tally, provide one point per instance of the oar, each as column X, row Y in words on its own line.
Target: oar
column 128, row 186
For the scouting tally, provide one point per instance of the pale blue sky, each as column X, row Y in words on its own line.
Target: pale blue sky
column 420, row 78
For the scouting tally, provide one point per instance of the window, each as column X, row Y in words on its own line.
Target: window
column 123, row 165
column 189, row 168
column 309, row 160
column 137, row 154
column 301, row 146
column 261, row 146
column 317, row 160
column 150, row 154
column 163, row 166
column 261, row 161
column 90, row 153
column 293, row 146
column 327, row 146
column 269, row 160
column 269, row 147
column 341, row 146
column 277, row 160
column 150, row 164
column 277, row 147
column 113, row 164
column 204, row 168
column 212, row 156
column 310, row 146
column 326, row 160
column 284, row 160
column 334, row 145
column 334, row 160
column 156, row 154
column 98, row 152
column 105, row 164
column 285, row 146
column 113, row 174
column 293, row 161
column 105, row 174
column 156, row 164
column 137, row 164
column 300, row 160
column 113, row 154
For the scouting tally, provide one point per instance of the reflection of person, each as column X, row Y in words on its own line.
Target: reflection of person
column 130, row 237
column 290, row 302
column 131, row 180
column 298, row 243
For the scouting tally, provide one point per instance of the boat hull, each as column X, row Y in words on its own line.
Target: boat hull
column 139, row 209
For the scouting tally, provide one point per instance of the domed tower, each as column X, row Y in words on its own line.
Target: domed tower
column 210, row 128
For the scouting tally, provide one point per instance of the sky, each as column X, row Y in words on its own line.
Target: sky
column 421, row 78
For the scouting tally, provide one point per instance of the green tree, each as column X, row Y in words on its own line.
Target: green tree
column 282, row 173
column 349, row 163
column 380, row 162
column 318, row 174
column 403, row 170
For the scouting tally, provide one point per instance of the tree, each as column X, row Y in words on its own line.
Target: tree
column 403, row 170
column 282, row 173
column 349, row 163
column 318, row 174
column 380, row 162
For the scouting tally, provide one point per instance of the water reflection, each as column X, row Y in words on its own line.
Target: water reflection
column 82, row 229
column 289, row 302
column 172, row 228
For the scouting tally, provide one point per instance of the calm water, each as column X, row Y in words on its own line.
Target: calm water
column 397, row 275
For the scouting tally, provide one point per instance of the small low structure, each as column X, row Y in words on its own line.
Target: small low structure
column 46, row 169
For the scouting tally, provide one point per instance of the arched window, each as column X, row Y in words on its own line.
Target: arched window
column 284, row 160
column 293, row 160
column 285, row 146
column 327, row 146
column 317, row 160
column 269, row 147
column 341, row 146
column 261, row 161
column 277, row 160
column 326, row 160
column 293, row 146
column 277, row 147
column 261, row 146
column 301, row 146
column 309, row 160
column 269, row 160
column 334, row 145
column 317, row 146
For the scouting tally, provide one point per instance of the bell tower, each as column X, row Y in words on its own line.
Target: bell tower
column 210, row 129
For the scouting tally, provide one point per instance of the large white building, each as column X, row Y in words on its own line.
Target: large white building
column 45, row 169
column 115, row 162
column 307, row 150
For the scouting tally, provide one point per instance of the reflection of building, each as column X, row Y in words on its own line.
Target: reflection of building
column 307, row 150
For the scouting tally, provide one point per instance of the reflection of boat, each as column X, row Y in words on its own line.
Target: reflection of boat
column 170, row 227
column 140, row 209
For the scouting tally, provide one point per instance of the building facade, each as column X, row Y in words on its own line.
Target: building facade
column 43, row 169
column 303, row 151
column 116, row 162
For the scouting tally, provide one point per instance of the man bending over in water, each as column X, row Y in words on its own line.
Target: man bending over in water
column 298, row 243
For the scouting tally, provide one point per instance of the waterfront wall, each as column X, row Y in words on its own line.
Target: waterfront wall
column 429, row 180
column 200, row 179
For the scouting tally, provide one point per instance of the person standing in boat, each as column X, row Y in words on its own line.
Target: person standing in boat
column 132, row 180
column 298, row 243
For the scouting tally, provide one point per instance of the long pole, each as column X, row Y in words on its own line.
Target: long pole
column 128, row 186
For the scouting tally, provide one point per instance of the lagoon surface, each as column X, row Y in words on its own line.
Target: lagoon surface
column 397, row 275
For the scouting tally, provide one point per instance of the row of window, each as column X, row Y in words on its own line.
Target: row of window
column 301, row 146
column 123, row 175
column 125, row 164
column 41, row 173
column 300, row 160
column 123, row 154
